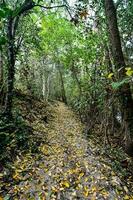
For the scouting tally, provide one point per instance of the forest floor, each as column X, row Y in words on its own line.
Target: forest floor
column 67, row 165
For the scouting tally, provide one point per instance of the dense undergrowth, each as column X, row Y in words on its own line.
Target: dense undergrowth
column 18, row 135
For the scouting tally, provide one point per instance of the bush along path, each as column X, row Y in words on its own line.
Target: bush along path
column 66, row 165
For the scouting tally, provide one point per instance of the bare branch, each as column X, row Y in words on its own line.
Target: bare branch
column 49, row 7
column 58, row 6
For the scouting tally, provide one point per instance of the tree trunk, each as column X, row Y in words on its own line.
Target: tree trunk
column 46, row 86
column 74, row 73
column 1, row 77
column 11, row 69
column 63, row 93
column 125, row 92
column 1, row 68
column 74, row 76
column 12, row 25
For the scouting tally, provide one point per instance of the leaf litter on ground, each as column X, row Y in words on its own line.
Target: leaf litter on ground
column 65, row 166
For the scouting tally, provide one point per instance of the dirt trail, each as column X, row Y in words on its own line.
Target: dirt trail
column 66, row 166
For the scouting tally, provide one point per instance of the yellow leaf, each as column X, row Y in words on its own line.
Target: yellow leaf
column 128, row 68
column 93, row 189
column 85, row 188
column 71, row 171
column 86, row 179
column 129, row 71
column 126, row 197
column 65, row 183
column 81, row 174
column 16, row 189
column 16, row 176
column 45, row 150
column 110, row 75
column 1, row 198
column 86, row 193
column 54, row 189
column 77, row 164
column 104, row 193
column 45, row 169
column 77, row 181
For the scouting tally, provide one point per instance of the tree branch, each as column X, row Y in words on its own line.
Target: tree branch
column 67, row 8
column 49, row 7
column 30, row 5
column 27, row 5
column 58, row 6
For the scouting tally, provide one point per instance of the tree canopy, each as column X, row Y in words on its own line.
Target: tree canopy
column 77, row 52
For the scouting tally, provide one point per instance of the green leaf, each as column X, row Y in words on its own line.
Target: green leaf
column 5, row 12
column 8, row 11
column 2, row 14
column 2, row 40
column 117, row 85
column 7, row 197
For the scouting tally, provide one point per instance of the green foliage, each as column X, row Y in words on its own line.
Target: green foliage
column 117, row 85
column 13, row 136
column 2, row 41
column 5, row 11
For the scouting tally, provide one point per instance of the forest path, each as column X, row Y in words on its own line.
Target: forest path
column 65, row 167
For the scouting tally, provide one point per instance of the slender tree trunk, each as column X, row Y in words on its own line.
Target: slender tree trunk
column 64, row 99
column 1, row 77
column 74, row 74
column 46, row 85
column 76, row 79
column 125, row 92
column 48, row 80
column 1, row 68
column 11, row 69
